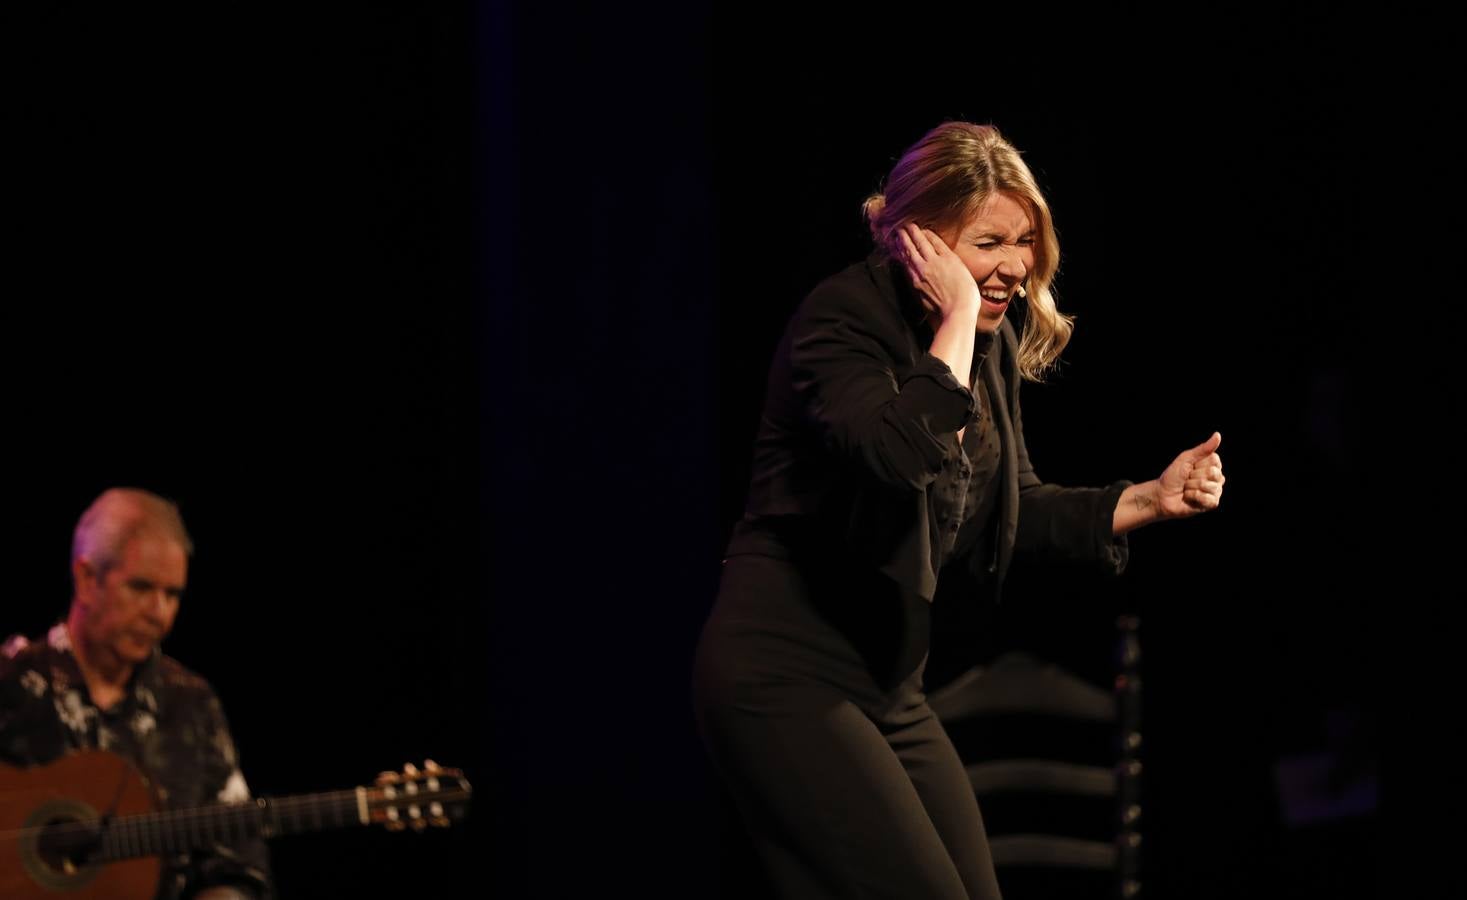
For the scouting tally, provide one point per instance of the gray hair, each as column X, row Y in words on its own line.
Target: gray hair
column 120, row 515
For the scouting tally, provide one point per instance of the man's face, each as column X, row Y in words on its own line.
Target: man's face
column 131, row 606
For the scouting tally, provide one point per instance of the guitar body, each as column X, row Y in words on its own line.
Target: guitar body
column 84, row 828
column 81, row 786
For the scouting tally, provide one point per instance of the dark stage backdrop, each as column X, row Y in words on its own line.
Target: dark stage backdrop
column 448, row 330
column 237, row 274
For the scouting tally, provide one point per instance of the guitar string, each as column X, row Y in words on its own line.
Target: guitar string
column 296, row 806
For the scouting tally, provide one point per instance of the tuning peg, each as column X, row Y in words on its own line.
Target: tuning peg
column 389, row 778
column 419, row 824
column 431, row 767
column 440, row 821
column 409, row 770
column 395, row 824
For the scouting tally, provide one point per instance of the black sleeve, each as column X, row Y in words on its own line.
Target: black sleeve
column 245, row 865
column 1066, row 525
column 30, row 732
column 845, row 374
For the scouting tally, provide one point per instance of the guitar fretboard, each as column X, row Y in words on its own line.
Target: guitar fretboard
column 182, row 830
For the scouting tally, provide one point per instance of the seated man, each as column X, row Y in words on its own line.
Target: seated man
column 99, row 681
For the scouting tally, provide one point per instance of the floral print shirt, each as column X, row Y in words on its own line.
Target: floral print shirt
column 169, row 725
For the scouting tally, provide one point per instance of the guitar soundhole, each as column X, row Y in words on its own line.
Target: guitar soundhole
column 58, row 844
column 66, row 845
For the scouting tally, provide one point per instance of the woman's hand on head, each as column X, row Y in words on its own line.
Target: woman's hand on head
column 946, row 285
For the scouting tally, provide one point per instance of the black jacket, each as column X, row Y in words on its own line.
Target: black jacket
column 859, row 420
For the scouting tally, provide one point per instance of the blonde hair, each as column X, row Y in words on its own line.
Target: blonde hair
column 941, row 182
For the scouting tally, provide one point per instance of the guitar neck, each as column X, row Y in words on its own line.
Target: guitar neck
column 181, row 830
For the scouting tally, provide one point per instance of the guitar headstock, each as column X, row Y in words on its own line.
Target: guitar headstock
column 418, row 798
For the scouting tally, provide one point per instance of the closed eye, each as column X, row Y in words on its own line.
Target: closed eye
column 1025, row 241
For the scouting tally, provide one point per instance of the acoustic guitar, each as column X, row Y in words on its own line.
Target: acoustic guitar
column 86, row 827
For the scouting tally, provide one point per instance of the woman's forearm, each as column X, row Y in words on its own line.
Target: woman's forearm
column 953, row 341
column 1138, row 506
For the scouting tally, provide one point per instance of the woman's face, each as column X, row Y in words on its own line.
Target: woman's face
column 997, row 246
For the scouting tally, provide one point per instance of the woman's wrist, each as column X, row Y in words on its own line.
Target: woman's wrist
column 1139, row 505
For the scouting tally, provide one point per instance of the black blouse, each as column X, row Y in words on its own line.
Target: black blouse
column 857, row 458
column 966, row 493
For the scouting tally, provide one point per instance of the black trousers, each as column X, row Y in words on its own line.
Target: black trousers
column 808, row 689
